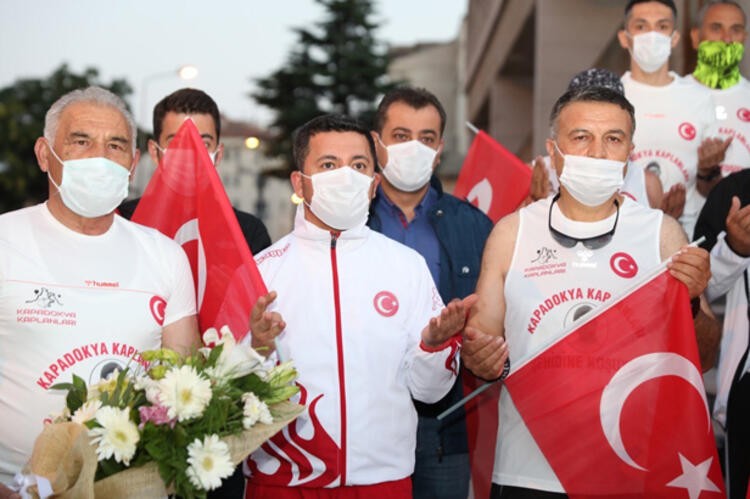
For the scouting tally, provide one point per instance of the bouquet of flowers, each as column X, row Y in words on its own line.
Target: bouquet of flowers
column 193, row 417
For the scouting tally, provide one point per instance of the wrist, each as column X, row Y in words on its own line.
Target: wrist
column 708, row 174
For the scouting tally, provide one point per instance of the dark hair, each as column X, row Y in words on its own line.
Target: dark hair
column 597, row 77
column 186, row 101
column 668, row 3
column 590, row 94
column 700, row 16
column 417, row 98
column 322, row 124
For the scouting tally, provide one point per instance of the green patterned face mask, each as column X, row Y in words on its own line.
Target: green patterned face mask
column 718, row 63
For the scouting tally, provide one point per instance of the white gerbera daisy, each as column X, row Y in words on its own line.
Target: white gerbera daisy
column 86, row 412
column 209, row 462
column 255, row 410
column 184, row 393
column 117, row 436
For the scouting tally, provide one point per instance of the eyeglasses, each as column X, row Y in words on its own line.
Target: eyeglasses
column 591, row 243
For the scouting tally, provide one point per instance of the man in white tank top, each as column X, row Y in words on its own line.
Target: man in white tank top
column 569, row 242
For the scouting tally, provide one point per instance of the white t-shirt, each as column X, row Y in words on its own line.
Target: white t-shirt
column 549, row 286
column 671, row 121
column 73, row 303
column 733, row 120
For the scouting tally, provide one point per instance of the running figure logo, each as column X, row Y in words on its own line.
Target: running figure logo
column 45, row 298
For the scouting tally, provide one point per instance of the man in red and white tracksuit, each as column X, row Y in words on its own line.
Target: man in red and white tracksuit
column 364, row 324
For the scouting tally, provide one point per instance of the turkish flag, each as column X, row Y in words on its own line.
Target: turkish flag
column 186, row 201
column 618, row 406
column 492, row 178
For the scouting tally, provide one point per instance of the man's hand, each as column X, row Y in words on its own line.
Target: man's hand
column 540, row 187
column 673, row 201
column 450, row 321
column 483, row 354
column 738, row 228
column 692, row 267
column 6, row 493
column 711, row 153
column 265, row 326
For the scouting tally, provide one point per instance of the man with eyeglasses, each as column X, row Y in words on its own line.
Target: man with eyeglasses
column 676, row 130
column 169, row 114
column 585, row 237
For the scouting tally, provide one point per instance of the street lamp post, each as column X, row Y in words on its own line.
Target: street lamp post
column 184, row 72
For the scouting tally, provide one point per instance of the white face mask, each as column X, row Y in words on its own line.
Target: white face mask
column 651, row 50
column 409, row 165
column 341, row 197
column 591, row 181
column 92, row 187
column 164, row 152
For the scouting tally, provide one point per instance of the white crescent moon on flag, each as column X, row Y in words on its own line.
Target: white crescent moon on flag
column 632, row 375
column 482, row 192
column 189, row 231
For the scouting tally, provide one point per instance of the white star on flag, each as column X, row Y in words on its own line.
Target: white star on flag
column 694, row 477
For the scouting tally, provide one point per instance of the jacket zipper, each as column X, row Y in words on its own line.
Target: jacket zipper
column 340, row 357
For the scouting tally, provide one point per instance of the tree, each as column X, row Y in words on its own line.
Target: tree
column 23, row 106
column 338, row 66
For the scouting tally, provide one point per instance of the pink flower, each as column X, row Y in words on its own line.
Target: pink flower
column 157, row 414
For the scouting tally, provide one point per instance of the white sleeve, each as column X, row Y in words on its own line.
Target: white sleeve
column 181, row 299
column 431, row 372
column 726, row 267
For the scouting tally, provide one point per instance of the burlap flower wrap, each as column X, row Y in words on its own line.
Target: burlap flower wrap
column 64, row 457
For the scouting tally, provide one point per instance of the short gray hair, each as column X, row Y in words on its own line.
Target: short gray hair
column 93, row 94
column 701, row 15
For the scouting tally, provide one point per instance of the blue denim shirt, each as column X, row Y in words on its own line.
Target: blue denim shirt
column 418, row 234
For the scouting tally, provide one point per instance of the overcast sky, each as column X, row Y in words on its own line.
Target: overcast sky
column 231, row 42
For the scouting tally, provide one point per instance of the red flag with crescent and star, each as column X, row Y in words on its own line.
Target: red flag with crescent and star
column 617, row 406
column 186, row 201
column 492, row 178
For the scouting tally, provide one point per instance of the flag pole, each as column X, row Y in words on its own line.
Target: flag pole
column 506, row 368
column 471, row 127
column 477, row 391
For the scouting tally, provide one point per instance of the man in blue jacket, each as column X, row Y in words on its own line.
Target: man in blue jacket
column 411, row 207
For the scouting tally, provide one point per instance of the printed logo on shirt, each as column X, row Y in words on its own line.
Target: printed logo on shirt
column 125, row 354
column 45, row 306
column 544, row 255
column 584, row 255
column 157, row 305
column 544, row 263
column 623, row 265
column 386, row 303
column 743, row 114
column 687, row 131
column 45, row 298
column 570, row 298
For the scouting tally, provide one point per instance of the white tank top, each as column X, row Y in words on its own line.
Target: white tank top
column 547, row 287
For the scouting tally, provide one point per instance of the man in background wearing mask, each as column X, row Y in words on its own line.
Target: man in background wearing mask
column 411, row 208
column 169, row 114
column 675, row 118
column 81, row 289
column 719, row 36
column 361, row 317
column 583, row 226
